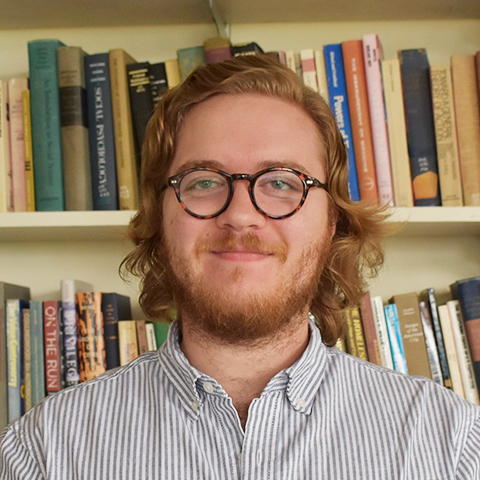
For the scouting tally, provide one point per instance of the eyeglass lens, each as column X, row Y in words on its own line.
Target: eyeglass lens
column 277, row 193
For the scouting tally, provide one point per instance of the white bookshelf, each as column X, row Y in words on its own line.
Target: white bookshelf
column 435, row 247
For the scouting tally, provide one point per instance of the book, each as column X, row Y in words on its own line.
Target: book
column 337, row 91
column 5, row 170
column 161, row 332
column 372, row 56
column 141, row 102
column 91, row 345
column 27, row 358
column 158, row 81
column 397, row 133
column 417, row 99
column 466, row 100
column 141, row 336
column 467, row 292
column 151, row 340
column 309, row 71
column 217, row 49
column 246, row 48
column 413, row 336
column 173, row 72
column 432, row 352
column 101, row 134
column 115, row 307
column 74, row 128
column 384, row 347
column 127, row 169
column 294, row 63
column 278, row 56
column 321, row 74
column 17, row 146
column 127, row 340
column 358, row 333
column 350, row 342
column 463, row 353
column 429, row 297
column 451, row 350
column 37, row 352
column 189, row 59
column 28, row 151
column 46, row 131
column 360, row 119
column 370, row 331
column 396, row 338
column 446, row 136
column 7, row 291
column 53, row 338
column 69, row 288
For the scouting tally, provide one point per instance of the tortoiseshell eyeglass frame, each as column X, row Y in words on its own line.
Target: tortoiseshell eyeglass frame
column 307, row 181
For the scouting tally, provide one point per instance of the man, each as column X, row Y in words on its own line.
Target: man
column 246, row 227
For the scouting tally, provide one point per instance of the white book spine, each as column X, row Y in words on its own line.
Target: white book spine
column 151, row 340
column 382, row 332
column 308, row 68
column 6, row 204
column 321, row 75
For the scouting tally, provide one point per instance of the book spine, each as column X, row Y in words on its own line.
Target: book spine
column 151, row 340
column 189, row 59
column 127, row 173
column 6, row 204
column 321, row 75
column 46, row 131
column 360, row 119
column 382, row 333
column 372, row 55
column 173, row 72
column 37, row 351
column 158, row 82
column 463, row 353
column 309, row 72
column 450, row 350
column 337, row 91
column 294, row 63
column 53, row 346
column 350, row 334
column 91, row 346
column 101, row 133
column 17, row 144
column 446, row 136
column 217, row 49
column 397, row 133
column 370, row 331
column 14, row 360
column 127, row 339
column 141, row 336
column 161, row 332
column 396, row 341
column 27, row 139
column 27, row 359
column 417, row 99
column 74, row 128
column 110, row 323
column 359, row 335
column 467, row 113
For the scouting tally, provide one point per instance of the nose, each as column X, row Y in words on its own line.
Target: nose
column 241, row 214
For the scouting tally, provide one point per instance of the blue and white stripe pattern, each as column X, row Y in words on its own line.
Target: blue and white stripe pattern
column 329, row 416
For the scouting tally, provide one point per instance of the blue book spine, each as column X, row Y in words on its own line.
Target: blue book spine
column 37, row 352
column 101, row 132
column 395, row 337
column 337, row 92
column 46, row 125
column 70, row 344
column 422, row 150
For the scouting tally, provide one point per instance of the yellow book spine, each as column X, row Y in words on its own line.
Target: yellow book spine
column 27, row 137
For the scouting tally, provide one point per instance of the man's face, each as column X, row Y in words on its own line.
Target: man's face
column 242, row 276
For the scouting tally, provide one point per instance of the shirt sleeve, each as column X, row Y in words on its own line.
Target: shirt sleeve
column 16, row 461
column 469, row 462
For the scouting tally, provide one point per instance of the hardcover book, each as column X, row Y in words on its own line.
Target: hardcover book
column 294, row 63
column 467, row 113
column 370, row 331
column 53, row 337
column 372, row 55
column 161, row 332
column 189, row 59
column 309, row 71
column 27, row 140
column 247, row 48
column 321, row 75
column 396, row 339
column 432, row 352
column 217, row 49
column 417, row 99
column 151, row 340
column 27, row 358
column 141, row 337
column 384, row 347
column 37, row 347
column 173, row 72
column 46, row 132
column 337, row 91
column 158, row 81
column 127, row 340
column 74, row 128
column 101, row 134
column 5, row 169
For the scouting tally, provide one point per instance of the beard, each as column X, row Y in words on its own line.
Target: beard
column 234, row 314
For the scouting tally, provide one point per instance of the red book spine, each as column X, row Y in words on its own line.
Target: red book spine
column 52, row 346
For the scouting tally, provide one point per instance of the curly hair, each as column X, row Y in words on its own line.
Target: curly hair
column 356, row 252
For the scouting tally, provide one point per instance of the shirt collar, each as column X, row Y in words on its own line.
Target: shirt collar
column 301, row 380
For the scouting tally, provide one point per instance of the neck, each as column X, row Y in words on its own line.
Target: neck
column 244, row 370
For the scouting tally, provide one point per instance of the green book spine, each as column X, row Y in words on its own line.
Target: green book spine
column 161, row 332
column 37, row 352
column 189, row 59
column 46, row 131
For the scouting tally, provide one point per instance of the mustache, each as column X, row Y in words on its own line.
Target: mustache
column 249, row 241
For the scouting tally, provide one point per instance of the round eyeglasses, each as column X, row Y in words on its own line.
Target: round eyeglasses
column 275, row 192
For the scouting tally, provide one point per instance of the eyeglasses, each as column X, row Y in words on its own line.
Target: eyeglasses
column 275, row 192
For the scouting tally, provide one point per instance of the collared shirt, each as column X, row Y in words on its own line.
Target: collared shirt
column 330, row 415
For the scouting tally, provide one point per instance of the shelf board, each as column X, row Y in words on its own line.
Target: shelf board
column 81, row 226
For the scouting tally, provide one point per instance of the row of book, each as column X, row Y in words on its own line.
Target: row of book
column 415, row 335
column 55, row 344
column 74, row 129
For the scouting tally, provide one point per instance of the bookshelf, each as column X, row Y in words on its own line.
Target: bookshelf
column 436, row 245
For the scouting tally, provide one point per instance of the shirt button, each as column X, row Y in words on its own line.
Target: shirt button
column 195, row 405
column 300, row 402
column 208, row 387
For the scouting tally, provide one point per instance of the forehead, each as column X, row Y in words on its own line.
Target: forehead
column 244, row 133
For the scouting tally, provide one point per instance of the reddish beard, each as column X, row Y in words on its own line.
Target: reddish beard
column 254, row 316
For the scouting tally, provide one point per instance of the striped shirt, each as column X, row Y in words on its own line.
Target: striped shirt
column 329, row 416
